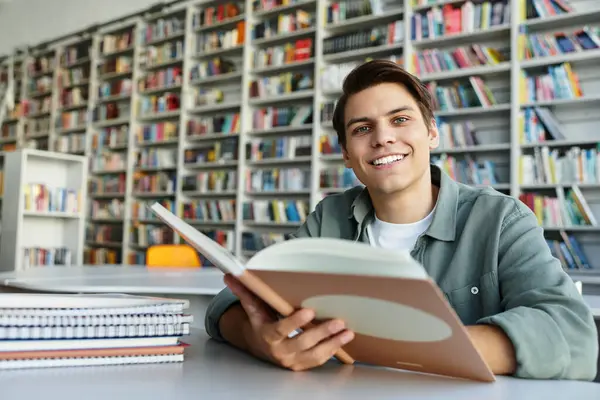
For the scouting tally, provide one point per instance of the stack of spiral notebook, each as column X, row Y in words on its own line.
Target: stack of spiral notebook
column 54, row 330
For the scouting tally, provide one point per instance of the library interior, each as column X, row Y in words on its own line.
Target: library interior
column 221, row 112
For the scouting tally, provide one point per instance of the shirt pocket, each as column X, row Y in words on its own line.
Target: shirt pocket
column 476, row 300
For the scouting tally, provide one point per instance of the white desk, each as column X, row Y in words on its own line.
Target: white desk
column 111, row 279
column 216, row 371
column 196, row 285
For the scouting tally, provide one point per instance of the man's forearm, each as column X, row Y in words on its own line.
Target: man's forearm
column 234, row 325
column 495, row 348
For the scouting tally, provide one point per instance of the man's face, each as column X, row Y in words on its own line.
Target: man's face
column 387, row 140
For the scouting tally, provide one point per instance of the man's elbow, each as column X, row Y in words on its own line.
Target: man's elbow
column 580, row 336
column 584, row 348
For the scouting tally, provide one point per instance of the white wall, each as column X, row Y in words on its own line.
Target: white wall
column 29, row 22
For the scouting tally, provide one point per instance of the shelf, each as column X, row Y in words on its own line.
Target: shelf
column 587, row 55
column 196, row 74
column 562, row 21
column 494, row 33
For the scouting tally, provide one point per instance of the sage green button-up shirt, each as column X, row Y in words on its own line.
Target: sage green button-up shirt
column 489, row 256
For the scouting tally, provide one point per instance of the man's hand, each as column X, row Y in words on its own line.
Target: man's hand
column 267, row 337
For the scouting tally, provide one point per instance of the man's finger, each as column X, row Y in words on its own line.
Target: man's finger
column 281, row 329
column 313, row 336
column 321, row 353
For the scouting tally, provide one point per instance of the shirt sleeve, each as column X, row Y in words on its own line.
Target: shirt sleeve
column 226, row 299
column 550, row 325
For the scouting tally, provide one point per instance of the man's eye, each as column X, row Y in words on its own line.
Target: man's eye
column 362, row 129
column 400, row 120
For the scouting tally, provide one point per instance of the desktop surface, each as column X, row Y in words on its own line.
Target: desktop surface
column 111, row 279
column 213, row 370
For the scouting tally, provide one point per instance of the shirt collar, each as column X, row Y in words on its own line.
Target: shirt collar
column 443, row 225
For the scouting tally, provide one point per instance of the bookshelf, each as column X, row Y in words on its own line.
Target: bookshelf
column 221, row 110
column 44, row 212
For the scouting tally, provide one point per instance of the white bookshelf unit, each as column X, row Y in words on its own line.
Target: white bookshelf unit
column 44, row 211
column 221, row 110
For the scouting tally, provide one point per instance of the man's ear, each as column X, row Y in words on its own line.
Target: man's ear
column 434, row 135
column 346, row 157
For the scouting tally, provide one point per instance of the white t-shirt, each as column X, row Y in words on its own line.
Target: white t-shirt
column 397, row 236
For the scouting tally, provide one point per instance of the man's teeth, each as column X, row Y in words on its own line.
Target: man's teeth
column 388, row 159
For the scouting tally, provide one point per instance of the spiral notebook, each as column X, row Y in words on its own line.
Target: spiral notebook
column 53, row 330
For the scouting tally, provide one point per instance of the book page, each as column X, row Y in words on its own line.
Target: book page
column 217, row 254
column 328, row 255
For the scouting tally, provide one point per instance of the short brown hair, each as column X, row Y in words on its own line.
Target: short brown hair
column 374, row 73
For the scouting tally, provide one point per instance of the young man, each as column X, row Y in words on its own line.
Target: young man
column 484, row 249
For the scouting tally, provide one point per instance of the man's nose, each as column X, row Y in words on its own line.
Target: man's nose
column 383, row 136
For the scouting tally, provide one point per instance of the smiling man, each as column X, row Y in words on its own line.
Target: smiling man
column 484, row 249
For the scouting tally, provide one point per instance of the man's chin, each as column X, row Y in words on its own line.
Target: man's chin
column 390, row 186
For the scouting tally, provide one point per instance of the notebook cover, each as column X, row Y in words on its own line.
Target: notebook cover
column 110, row 352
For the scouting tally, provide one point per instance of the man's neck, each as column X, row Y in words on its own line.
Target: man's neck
column 409, row 205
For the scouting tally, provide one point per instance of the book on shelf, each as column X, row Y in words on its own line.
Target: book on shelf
column 54, row 330
column 569, row 252
column 309, row 272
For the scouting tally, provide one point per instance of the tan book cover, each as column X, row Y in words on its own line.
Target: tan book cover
column 398, row 314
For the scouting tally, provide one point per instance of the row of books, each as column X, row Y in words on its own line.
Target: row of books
column 217, row 181
column 225, row 124
column 162, row 28
column 279, row 211
column 569, row 252
column 143, row 235
column 209, row 16
column 107, row 184
column 46, row 198
column 221, row 39
column 283, row 23
column 565, row 166
column 285, row 83
column 537, row 45
column 451, row 19
column 284, row 147
column 156, row 158
column 104, row 233
column 561, row 82
column 114, row 136
column 277, row 179
column 220, row 151
column 276, row 117
column 42, row 257
column 384, row 35
column 163, row 78
column 163, row 53
column 212, row 67
column 99, row 256
column 107, row 161
column 161, row 182
column 140, row 209
column 283, row 54
column 340, row 11
column 431, row 61
column 563, row 210
column 209, row 210
column 468, row 170
column 74, row 143
column 448, row 97
column 107, row 209
column 545, row 8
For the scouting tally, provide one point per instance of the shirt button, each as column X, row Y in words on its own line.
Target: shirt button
column 474, row 290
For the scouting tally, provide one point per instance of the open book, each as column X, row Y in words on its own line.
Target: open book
column 400, row 317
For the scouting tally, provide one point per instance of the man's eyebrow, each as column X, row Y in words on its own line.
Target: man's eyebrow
column 365, row 119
